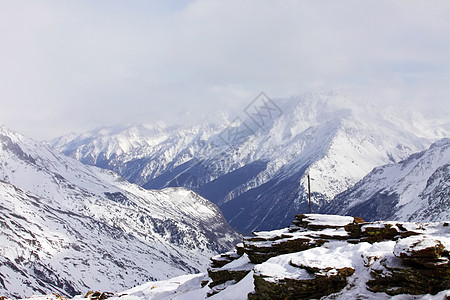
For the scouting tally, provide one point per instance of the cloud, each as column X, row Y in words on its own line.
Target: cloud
column 72, row 65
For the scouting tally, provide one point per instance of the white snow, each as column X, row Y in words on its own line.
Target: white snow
column 238, row 291
column 279, row 268
column 332, row 255
column 338, row 232
column 242, row 263
column 328, row 220
column 185, row 287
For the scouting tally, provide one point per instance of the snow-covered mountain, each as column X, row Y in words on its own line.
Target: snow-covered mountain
column 255, row 166
column 67, row 227
column 416, row 189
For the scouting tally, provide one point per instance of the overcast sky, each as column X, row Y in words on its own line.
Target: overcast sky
column 74, row 65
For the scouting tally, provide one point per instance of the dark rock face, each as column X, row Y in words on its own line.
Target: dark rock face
column 299, row 289
column 222, row 276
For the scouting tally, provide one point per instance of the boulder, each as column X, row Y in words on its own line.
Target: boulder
column 424, row 250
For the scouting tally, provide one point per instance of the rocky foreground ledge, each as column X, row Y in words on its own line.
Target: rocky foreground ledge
column 322, row 255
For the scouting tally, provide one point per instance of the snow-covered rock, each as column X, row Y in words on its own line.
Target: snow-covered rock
column 256, row 171
column 68, row 228
column 374, row 260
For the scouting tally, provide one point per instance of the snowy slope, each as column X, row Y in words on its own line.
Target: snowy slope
column 69, row 227
column 258, row 179
column 416, row 189
column 379, row 260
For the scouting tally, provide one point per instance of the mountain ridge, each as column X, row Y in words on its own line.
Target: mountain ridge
column 331, row 136
column 414, row 189
column 70, row 227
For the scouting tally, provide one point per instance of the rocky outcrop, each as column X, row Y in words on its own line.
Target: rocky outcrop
column 321, row 255
column 306, row 233
column 422, row 267
column 228, row 268
column 377, row 231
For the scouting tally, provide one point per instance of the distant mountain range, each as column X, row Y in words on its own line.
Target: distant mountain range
column 254, row 166
column 416, row 189
column 68, row 228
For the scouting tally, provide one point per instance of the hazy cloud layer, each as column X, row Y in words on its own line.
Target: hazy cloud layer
column 73, row 65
